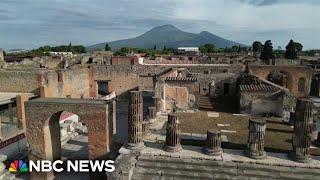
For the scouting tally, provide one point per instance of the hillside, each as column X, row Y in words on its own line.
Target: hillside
column 169, row 36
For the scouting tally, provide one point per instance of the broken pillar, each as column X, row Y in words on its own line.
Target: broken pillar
column 152, row 112
column 255, row 145
column 21, row 99
column 213, row 143
column 303, row 128
column 173, row 134
column 135, row 118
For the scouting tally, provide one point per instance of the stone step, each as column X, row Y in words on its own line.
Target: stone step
column 204, row 171
column 229, row 168
column 172, row 173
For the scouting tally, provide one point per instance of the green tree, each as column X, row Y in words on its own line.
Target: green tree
column 107, row 47
column 164, row 48
column 256, row 46
column 154, row 48
column 267, row 51
column 292, row 49
column 298, row 46
column 207, row 48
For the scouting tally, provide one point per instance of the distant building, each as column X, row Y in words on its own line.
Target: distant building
column 189, row 50
column 102, row 53
column 124, row 60
column 60, row 53
column 17, row 51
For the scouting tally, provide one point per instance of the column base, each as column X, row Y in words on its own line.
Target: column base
column 300, row 159
column 253, row 155
column 212, row 152
column 135, row 146
column 172, row 149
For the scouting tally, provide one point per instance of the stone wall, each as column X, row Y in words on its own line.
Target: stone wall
column 75, row 83
column 261, row 104
column 294, row 73
column 121, row 79
column 20, row 81
column 176, row 97
column 183, row 94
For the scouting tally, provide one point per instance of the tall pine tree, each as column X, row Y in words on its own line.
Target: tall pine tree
column 267, row 51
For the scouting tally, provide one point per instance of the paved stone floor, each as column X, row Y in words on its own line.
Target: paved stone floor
column 76, row 148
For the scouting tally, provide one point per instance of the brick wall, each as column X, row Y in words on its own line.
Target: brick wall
column 19, row 81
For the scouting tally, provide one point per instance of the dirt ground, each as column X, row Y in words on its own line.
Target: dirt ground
column 278, row 135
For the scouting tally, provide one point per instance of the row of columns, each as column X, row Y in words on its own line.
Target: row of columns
column 301, row 140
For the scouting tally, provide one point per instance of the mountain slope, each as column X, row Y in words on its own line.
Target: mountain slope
column 169, row 36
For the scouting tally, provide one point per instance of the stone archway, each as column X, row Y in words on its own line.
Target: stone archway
column 96, row 114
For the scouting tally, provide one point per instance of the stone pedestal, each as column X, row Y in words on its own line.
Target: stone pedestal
column 303, row 128
column 173, row 134
column 255, row 145
column 213, row 144
column 152, row 112
column 135, row 118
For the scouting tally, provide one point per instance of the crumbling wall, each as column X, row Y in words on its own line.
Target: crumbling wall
column 176, row 97
column 294, row 73
column 124, row 78
column 74, row 83
column 263, row 104
column 19, row 81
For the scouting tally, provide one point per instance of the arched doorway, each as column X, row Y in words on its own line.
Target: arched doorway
column 66, row 137
column 43, row 113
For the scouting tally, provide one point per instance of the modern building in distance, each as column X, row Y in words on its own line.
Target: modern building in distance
column 60, row 53
column 188, row 50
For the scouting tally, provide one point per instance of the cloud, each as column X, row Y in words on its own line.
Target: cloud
column 272, row 2
column 32, row 23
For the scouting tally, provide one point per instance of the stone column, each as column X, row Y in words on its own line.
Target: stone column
column 135, row 118
column 152, row 112
column 21, row 99
column 255, row 146
column 114, row 116
column 173, row 134
column 213, row 144
column 157, row 103
column 303, row 128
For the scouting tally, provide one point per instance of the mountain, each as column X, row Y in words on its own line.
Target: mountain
column 169, row 36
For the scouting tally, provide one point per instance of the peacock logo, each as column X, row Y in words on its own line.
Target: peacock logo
column 18, row 166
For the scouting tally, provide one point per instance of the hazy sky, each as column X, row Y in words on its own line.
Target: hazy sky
column 32, row 23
